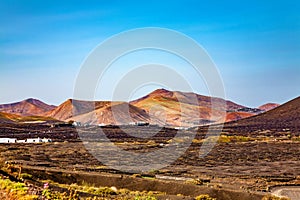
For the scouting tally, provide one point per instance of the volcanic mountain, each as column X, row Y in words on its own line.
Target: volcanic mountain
column 160, row 107
column 98, row 112
column 282, row 117
column 115, row 113
column 72, row 108
column 268, row 106
column 28, row 107
column 183, row 108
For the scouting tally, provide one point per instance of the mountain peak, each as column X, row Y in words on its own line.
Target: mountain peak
column 161, row 92
column 32, row 101
column 26, row 107
column 268, row 106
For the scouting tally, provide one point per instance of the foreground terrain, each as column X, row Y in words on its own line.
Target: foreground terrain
column 238, row 167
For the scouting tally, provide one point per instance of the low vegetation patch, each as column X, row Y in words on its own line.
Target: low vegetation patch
column 226, row 139
column 109, row 192
column 272, row 197
column 14, row 190
column 204, row 197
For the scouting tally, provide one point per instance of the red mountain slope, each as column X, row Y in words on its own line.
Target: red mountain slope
column 28, row 107
column 268, row 106
column 286, row 116
column 177, row 108
column 71, row 108
column 116, row 113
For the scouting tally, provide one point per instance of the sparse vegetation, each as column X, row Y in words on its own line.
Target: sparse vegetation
column 226, row 139
column 194, row 182
column 204, row 197
column 25, row 176
column 103, row 192
column 272, row 197
column 14, row 190
column 49, row 194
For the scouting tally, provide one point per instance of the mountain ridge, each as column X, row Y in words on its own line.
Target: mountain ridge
column 27, row 107
column 161, row 106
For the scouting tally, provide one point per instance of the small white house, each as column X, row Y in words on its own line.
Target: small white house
column 8, row 140
column 38, row 140
column 76, row 123
column 34, row 140
column 29, row 140
column 21, row 141
column 45, row 140
column 139, row 123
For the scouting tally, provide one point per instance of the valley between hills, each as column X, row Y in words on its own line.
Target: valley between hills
column 256, row 156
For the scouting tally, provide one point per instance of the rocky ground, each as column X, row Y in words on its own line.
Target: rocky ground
column 254, row 163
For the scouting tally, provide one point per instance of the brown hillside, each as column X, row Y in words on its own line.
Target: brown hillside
column 268, row 106
column 28, row 107
column 234, row 116
column 159, row 95
column 71, row 108
column 113, row 113
column 286, row 116
column 12, row 118
column 177, row 108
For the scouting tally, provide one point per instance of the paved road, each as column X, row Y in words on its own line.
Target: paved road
column 293, row 192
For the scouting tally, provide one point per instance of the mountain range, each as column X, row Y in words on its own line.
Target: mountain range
column 161, row 107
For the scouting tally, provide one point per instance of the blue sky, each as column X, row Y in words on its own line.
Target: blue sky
column 254, row 44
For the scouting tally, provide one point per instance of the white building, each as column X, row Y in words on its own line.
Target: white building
column 34, row 140
column 76, row 123
column 139, row 123
column 21, row 141
column 8, row 140
column 46, row 140
column 29, row 140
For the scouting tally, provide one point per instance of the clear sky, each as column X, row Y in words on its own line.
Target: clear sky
column 255, row 44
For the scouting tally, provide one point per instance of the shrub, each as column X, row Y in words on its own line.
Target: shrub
column 104, row 192
column 272, row 197
column 145, row 198
column 15, row 190
column 26, row 176
column 204, row 197
column 194, row 182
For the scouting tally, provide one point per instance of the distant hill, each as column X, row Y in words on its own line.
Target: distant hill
column 268, row 106
column 28, row 107
column 162, row 107
column 98, row 112
column 160, row 95
column 72, row 108
column 115, row 113
column 166, row 105
column 12, row 118
column 286, row 116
